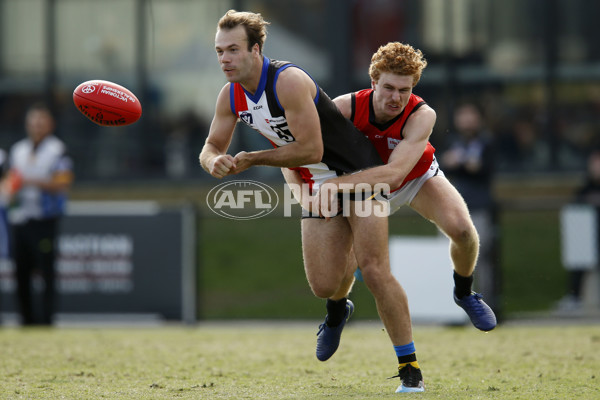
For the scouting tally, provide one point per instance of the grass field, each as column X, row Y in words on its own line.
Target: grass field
column 276, row 361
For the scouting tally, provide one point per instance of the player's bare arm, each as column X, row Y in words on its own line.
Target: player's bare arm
column 404, row 157
column 214, row 158
column 344, row 104
column 402, row 160
column 292, row 177
column 296, row 92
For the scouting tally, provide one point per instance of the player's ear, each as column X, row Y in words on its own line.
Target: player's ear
column 256, row 49
column 373, row 83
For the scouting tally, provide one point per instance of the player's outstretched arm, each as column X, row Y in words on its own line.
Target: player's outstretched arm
column 213, row 157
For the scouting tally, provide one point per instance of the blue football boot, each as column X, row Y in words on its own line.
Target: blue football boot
column 328, row 338
column 481, row 314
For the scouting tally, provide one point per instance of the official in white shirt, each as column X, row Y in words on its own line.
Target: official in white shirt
column 45, row 173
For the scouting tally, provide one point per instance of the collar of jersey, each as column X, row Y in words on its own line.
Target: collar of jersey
column 262, row 84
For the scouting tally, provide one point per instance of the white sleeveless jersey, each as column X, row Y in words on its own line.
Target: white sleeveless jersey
column 345, row 148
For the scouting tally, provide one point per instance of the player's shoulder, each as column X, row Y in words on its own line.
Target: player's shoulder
column 225, row 89
column 343, row 98
column 424, row 113
column 344, row 104
column 420, row 104
column 293, row 77
column 426, row 109
column 223, row 99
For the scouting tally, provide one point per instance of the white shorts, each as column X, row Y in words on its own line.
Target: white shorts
column 399, row 198
column 408, row 192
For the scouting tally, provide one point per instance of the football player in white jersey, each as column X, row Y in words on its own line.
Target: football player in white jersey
column 326, row 244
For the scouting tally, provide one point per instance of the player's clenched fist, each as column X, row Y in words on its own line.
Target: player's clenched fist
column 220, row 166
column 242, row 162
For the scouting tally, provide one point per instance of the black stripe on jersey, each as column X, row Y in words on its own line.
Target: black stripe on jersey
column 274, row 67
column 415, row 108
column 346, row 149
column 353, row 105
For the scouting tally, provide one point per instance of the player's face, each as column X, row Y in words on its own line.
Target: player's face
column 391, row 95
column 232, row 51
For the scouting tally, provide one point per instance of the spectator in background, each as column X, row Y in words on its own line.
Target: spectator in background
column 469, row 164
column 589, row 193
column 44, row 170
column 524, row 150
column 180, row 144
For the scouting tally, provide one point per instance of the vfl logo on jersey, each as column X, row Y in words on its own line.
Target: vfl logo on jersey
column 246, row 117
column 392, row 143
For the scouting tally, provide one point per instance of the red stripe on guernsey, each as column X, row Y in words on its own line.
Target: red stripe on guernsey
column 385, row 138
column 239, row 99
column 306, row 176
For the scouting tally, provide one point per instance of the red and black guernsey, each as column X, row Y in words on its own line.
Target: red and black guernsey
column 346, row 149
column 385, row 137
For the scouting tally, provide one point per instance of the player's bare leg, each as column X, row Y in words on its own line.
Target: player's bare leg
column 348, row 280
column 372, row 253
column 440, row 202
column 326, row 246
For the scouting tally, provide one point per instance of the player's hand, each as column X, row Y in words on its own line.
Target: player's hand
column 326, row 201
column 242, row 162
column 222, row 165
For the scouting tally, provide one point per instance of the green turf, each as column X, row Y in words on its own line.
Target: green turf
column 277, row 362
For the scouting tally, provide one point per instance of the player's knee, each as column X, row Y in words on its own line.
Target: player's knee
column 464, row 234
column 324, row 290
column 375, row 276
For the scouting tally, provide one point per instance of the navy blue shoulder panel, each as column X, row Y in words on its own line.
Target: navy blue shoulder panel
column 280, row 66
